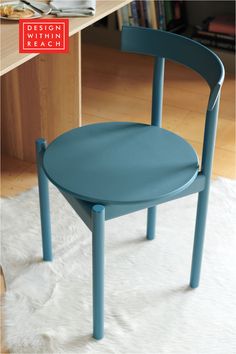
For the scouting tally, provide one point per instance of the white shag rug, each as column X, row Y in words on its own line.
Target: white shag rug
column 149, row 307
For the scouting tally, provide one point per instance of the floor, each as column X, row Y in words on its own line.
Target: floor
column 117, row 86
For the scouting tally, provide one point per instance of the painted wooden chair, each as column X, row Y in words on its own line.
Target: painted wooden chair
column 111, row 169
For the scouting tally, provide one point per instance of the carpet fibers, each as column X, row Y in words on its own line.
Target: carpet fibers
column 149, row 306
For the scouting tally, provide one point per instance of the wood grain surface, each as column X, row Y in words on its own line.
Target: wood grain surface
column 41, row 98
column 11, row 58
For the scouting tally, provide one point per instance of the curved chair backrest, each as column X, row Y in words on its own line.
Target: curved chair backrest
column 161, row 45
column 177, row 48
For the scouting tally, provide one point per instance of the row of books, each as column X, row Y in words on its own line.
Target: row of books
column 216, row 32
column 157, row 14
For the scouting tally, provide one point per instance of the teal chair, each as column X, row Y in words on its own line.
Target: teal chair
column 111, row 169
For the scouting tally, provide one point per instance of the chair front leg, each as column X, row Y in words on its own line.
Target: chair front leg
column 199, row 237
column 98, row 217
column 151, row 223
column 44, row 202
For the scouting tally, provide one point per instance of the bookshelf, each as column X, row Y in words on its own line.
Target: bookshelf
column 180, row 16
column 147, row 13
column 164, row 15
column 198, row 11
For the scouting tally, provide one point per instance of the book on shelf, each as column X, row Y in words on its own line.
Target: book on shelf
column 161, row 15
column 216, row 32
column 157, row 14
column 123, row 17
column 215, row 43
column 152, row 18
column 214, row 35
column 222, row 24
column 176, row 16
column 141, row 15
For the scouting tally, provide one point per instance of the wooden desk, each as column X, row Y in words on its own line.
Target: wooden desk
column 42, row 97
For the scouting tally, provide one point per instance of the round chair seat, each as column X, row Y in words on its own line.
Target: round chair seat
column 118, row 163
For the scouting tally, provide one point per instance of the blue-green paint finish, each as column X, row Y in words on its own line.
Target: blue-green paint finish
column 108, row 170
column 157, row 103
column 44, row 202
column 179, row 49
column 207, row 158
column 98, row 219
column 114, row 211
column 157, row 91
column 83, row 208
column 120, row 162
column 151, row 223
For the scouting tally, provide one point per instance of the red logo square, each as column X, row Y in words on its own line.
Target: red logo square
column 44, row 36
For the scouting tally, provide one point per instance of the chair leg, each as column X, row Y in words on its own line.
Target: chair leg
column 98, row 216
column 44, row 202
column 199, row 238
column 151, row 223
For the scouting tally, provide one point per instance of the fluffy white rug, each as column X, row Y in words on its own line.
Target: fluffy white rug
column 149, row 307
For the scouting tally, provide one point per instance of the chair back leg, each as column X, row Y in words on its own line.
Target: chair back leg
column 98, row 220
column 151, row 223
column 157, row 99
column 44, row 202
